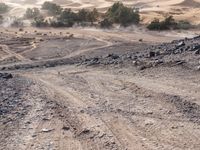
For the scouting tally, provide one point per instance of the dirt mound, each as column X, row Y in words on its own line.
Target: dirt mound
column 190, row 3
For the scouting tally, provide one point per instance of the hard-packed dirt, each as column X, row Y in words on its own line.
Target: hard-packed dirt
column 71, row 91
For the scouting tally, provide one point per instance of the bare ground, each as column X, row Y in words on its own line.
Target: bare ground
column 87, row 95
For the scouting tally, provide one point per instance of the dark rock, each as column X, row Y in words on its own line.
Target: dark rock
column 152, row 54
column 179, row 62
column 95, row 59
column 198, row 68
column 84, row 132
column 187, row 48
column 157, row 62
column 113, row 56
column 82, row 111
column 195, row 47
column 142, row 67
column 65, row 128
column 180, row 44
column 197, row 52
column 21, row 29
column 197, row 37
column 6, row 75
column 140, row 40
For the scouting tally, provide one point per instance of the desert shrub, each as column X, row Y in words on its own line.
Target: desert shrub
column 105, row 23
column 82, row 15
column 17, row 23
column 118, row 13
column 85, row 15
column 185, row 25
column 1, row 19
column 123, row 15
column 57, row 24
column 67, row 18
column 40, row 22
column 168, row 23
column 155, row 25
column 32, row 13
column 52, row 8
column 93, row 15
column 3, row 8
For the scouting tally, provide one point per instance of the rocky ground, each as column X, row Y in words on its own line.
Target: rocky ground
column 74, row 91
column 184, row 52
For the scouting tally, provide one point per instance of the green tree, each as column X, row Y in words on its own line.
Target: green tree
column 17, row 23
column 93, row 16
column 183, row 24
column 128, row 16
column 3, row 8
column 83, row 15
column 123, row 15
column 52, row 8
column 113, row 12
column 40, row 22
column 106, row 23
column 154, row 25
column 68, row 18
column 168, row 23
column 32, row 13
column 1, row 19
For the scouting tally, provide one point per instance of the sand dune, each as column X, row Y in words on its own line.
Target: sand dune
column 190, row 3
column 150, row 9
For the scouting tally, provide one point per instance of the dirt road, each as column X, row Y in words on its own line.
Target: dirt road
column 94, row 107
column 87, row 108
